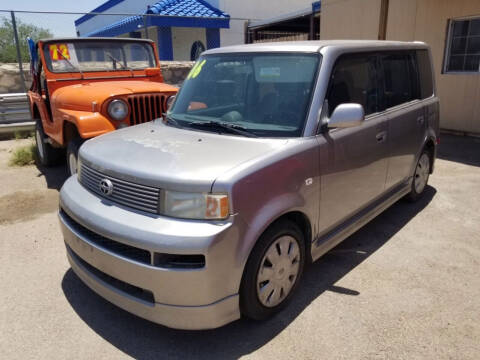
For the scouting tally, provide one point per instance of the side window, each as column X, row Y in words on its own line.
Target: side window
column 424, row 74
column 354, row 80
column 400, row 80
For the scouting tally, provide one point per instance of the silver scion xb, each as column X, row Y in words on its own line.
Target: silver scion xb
column 270, row 155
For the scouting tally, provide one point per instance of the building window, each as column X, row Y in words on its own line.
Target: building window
column 463, row 46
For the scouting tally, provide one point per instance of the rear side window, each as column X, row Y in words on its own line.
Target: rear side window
column 424, row 74
column 354, row 80
column 400, row 79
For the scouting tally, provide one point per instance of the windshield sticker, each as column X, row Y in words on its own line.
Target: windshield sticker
column 196, row 69
column 63, row 57
column 59, row 52
column 269, row 72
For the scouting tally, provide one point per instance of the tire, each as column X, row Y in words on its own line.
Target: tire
column 258, row 299
column 72, row 155
column 420, row 176
column 47, row 155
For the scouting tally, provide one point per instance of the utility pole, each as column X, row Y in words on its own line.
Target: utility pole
column 145, row 26
column 19, row 55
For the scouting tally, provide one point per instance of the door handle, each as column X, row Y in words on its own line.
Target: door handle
column 381, row 136
column 420, row 120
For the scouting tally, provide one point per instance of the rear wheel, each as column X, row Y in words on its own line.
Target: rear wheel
column 273, row 271
column 47, row 154
column 72, row 155
column 420, row 177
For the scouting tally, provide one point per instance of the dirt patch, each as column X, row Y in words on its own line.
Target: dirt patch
column 26, row 205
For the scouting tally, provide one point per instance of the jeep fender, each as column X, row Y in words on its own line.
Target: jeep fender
column 88, row 124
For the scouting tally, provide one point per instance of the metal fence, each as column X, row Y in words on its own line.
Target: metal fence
column 174, row 41
column 268, row 36
column 14, row 113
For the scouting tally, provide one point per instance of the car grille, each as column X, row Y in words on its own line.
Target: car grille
column 140, row 197
column 161, row 260
column 130, row 252
column 127, row 288
column 146, row 107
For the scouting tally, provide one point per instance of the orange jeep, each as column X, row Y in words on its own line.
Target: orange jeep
column 84, row 87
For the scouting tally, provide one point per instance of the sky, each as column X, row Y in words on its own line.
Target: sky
column 59, row 25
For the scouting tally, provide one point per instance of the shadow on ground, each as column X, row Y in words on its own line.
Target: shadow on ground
column 55, row 176
column 142, row 339
column 463, row 149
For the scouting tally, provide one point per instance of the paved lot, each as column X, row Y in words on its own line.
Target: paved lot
column 407, row 286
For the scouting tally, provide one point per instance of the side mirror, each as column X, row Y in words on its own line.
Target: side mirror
column 347, row 115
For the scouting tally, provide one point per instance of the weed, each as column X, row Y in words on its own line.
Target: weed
column 23, row 135
column 25, row 155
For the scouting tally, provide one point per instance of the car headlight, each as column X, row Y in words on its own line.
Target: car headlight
column 118, row 109
column 194, row 205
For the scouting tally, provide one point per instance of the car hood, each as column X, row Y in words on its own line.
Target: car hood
column 178, row 159
column 81, row 96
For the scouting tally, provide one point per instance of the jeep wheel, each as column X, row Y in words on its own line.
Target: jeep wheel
column 72, row 155
column 273, row 271
column 47, row 154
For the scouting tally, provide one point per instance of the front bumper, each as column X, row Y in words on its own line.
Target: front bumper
column 196, row 298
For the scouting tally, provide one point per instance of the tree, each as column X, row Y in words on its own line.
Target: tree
column 8, row 52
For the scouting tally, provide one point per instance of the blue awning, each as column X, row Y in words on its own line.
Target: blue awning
column 168, row 13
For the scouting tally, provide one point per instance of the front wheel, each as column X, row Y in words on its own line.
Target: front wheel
column 273, row 271
column 420, row 177
column 72, row 155
column 47, row 154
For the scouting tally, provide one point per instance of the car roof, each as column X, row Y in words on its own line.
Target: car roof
column 317, row 45
column 67, row 39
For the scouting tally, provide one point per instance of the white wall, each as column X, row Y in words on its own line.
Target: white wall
column 182, row 40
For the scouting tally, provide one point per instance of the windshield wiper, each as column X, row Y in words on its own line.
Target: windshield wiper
column 167, row 119
column 115, row 61
column 70, row 63
column 231, row 128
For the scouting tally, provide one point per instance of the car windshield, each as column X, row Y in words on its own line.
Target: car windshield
column 85, row 56
column 265, row 95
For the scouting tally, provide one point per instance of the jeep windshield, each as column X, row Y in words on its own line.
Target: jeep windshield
column 100, row 55
column 262, row 94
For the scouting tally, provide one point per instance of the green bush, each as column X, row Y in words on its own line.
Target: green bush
column 23, row 135
column 25, row 155
column 8, row 51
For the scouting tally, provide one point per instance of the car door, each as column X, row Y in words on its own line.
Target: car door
column 353, row 160
column 405, row 112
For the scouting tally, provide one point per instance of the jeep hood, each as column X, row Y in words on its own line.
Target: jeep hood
column 167, row 157
column 81, row 96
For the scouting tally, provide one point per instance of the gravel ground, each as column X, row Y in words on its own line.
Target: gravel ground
column 406, row 286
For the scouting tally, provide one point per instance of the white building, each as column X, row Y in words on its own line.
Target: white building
column 184, row 28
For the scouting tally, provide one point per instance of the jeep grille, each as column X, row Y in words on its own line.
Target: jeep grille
column 146, row 107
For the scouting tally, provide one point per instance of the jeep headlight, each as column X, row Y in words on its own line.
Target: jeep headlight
column 194, row 205
column 118, row 109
